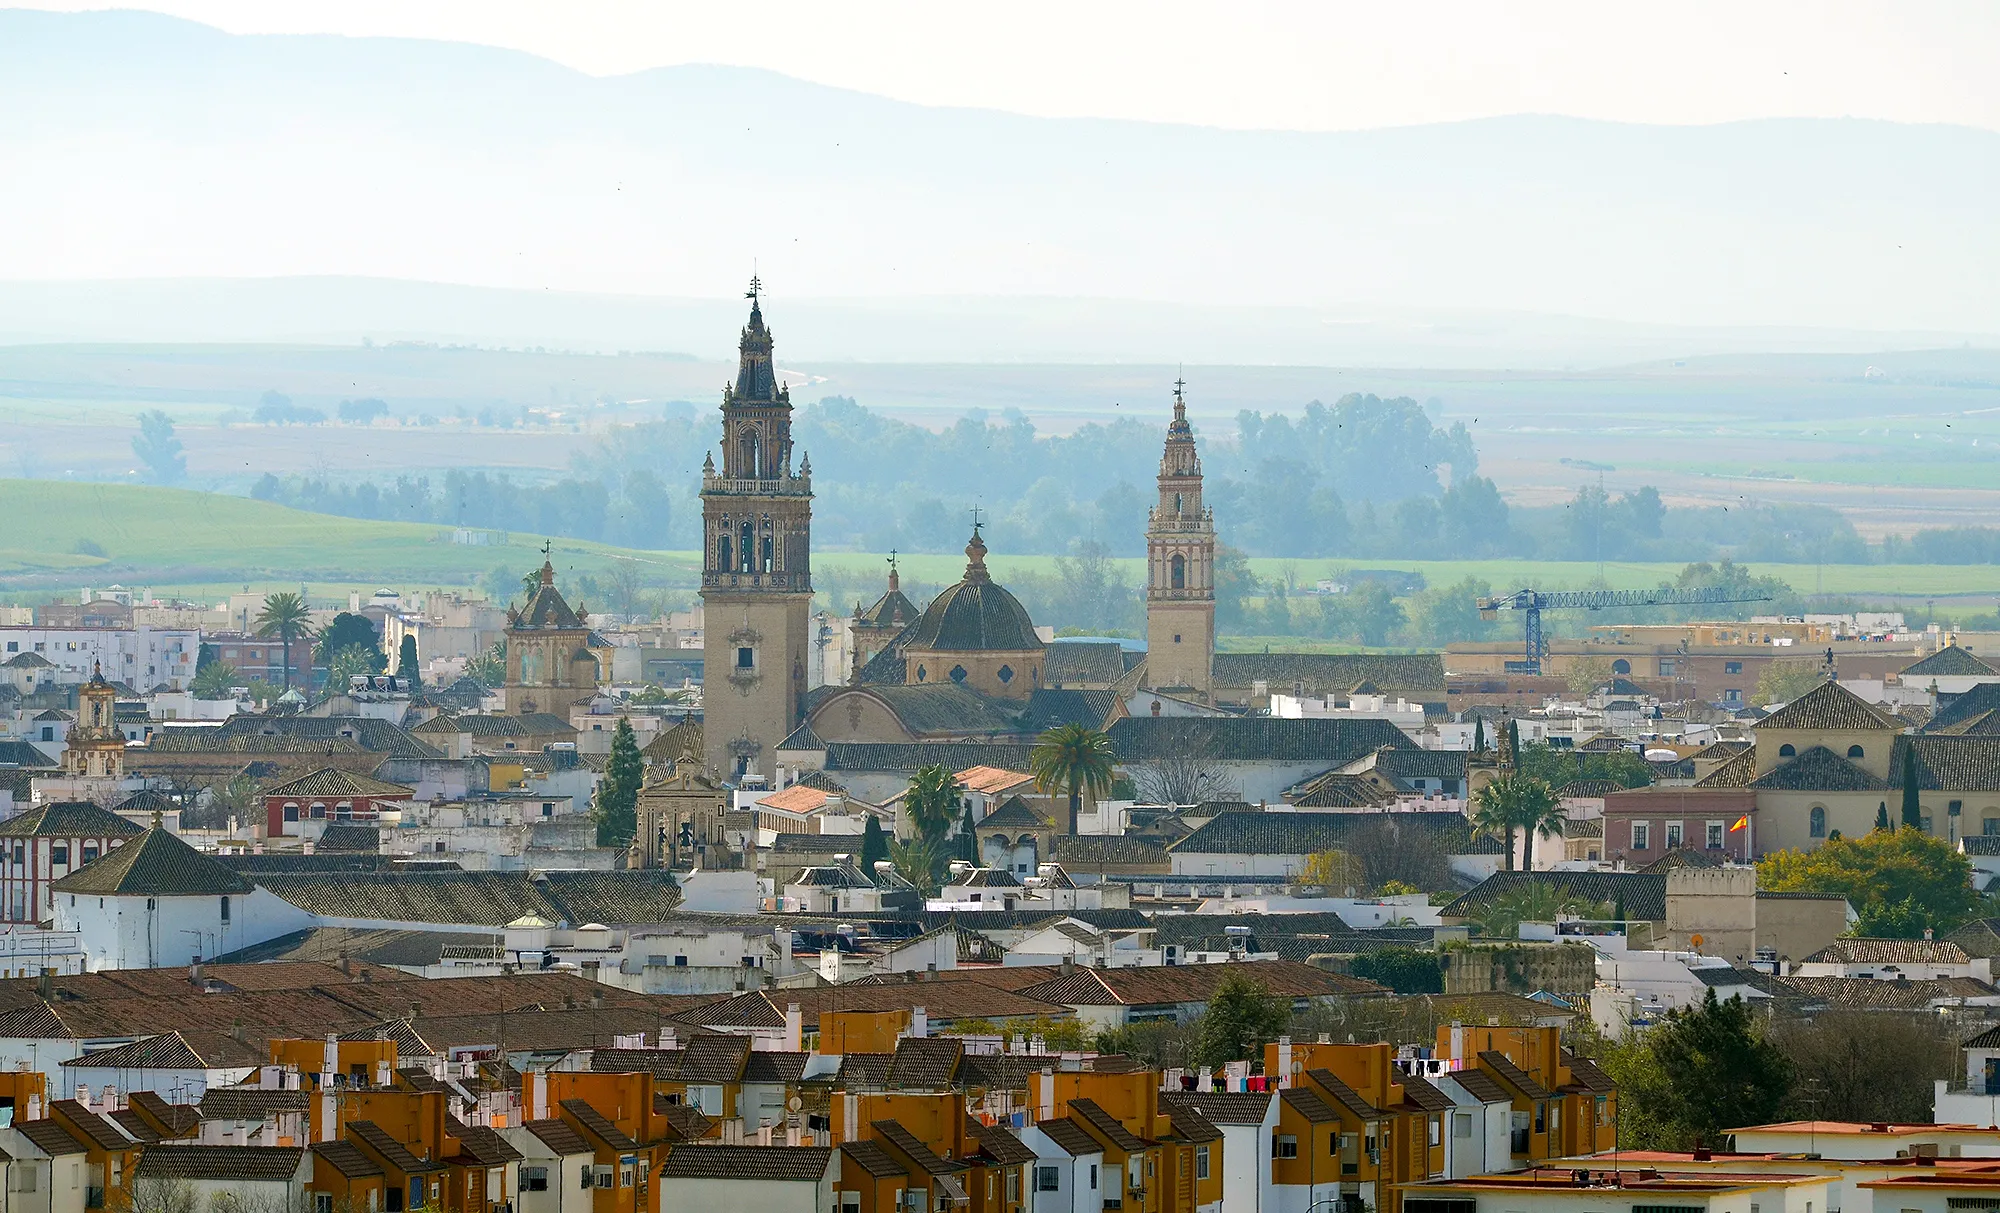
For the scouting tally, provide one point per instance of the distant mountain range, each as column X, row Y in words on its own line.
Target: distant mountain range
column 622, row 212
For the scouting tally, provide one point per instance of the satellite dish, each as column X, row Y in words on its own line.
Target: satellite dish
column 795, row 1103
column 1696, row 940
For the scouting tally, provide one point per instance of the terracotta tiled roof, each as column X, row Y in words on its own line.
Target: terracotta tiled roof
column 1014, row 815
column 876, row 1161
column 92, row 1127
column 1070, row 1136
column 766, row 1164
column 1255, row 833
column 255, row 1164
column 1308, row 1104
column 1001, row 1144
column 68, row 819
column 154, row 864
column 249, row 1103
column 332, row 781
column 1503, row 1066
column 1871, row 994
column 1328, row 673
column 1419, row 1091
column 1818, row 769
column 1951, row 660
column 598, row 1125
column 796, row 799
column 1335, row 742
column 909, row 756
column 178, row 1117
column 1949, row 763
column 1735, row 772
column 50, row 1138
column 1890, row 951
column 905, row 1143
column 1830, row 707
column 491, row 899
column 171, row 1051
column 482, row 1144
column 347, row 1158
column 374, row 1139
column 1344, row 1095
column 1645, row 895
column 1158, row 985
column 1224, row 1107
column 926, row 1064
column 559, row 1137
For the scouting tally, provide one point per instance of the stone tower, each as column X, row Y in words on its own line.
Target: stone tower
column 553, row 659
column 1180, row 571
column 756, row 576
column 95, row 747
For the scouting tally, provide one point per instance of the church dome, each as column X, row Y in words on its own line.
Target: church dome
column 976, row 614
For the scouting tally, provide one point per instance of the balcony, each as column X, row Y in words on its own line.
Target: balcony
column 782, row 486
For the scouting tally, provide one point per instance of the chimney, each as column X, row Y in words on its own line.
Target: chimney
column 329, row 1115
column 194, row 973
column 795, row 1027
column 346, row 965
column 1284, row 1075
column 46, row 987
column 920, row 1023
column 539, row 1094
column 1045, row 1100
column 850, row 1120
column 597, row 1000
column 1068, row 965
column 1457, row 1043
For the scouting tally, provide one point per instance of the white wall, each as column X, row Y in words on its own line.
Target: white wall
column 137, row 932
column 751, row 1196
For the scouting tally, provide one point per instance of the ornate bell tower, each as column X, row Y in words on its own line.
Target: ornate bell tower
column 756, row 576
column 1180, row 571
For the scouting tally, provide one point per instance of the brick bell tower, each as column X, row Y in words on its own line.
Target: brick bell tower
column 756, row 576
column 1180, row 571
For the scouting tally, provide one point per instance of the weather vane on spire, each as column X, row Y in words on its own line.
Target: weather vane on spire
column 756, row 287
column 976, row 512
column 548, row 549
column 1178, row 385
column 892, row 560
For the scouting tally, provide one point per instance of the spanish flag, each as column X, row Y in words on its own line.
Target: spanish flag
column 1742, row 822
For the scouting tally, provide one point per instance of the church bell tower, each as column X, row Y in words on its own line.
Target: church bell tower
column 756, row 576
column 1180, row 571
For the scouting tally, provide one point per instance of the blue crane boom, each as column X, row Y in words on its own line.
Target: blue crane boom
column 1531, row 603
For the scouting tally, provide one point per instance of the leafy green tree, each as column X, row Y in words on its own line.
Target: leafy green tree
column 1913, row 807
column 213, row 680
column 406, row 661
column 1404, row 970
column 490, row 667
column 345, row 631
column 1558, row 768
column 286, row 616
column 1898, row 881
column 356, row 660
column 159, row 450
column 617, row 802
column 932, row 801
column 1242, row 1017
column 1074, row 759
column 921, row 861
column 1537, row 901
column 874, row 845
column 1784, row 681
column 1699, row 1073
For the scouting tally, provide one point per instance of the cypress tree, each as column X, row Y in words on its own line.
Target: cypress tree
column 874, row 845
column 617, row 807
column 1479, row 735
column 1514, row 744
column 1882, row 816
column 1913, row 809
column 406, row 662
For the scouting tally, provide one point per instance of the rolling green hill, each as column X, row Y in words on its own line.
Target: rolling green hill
column 201, row 544
column 192, row 541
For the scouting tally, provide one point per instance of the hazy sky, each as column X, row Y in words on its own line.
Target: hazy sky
column 1315, row 65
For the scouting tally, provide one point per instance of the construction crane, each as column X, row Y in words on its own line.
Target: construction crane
column 1533, row 602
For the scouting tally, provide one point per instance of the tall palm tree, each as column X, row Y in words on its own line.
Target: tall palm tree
column 932, row 802
column 1518, row 802
column 286, row 616
column 1072, row 758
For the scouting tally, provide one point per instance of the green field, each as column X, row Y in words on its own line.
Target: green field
column 203, row 544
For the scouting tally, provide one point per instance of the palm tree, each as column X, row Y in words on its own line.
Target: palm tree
column 932, row 801
column 1517, row 802
column 286, row 616
column 1073, row 758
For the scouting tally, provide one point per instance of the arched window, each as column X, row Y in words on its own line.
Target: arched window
column 1854, row 751
column 1621, row 666
column 1177, row 572
column 767, row 554
column 750, row 453
column 749, row 550
column 1177, row 503
column 958, row 673
column 1816, row 822
column 922, row 674
column 1786, row 750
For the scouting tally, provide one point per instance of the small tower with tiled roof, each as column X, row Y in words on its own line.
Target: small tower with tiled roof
column 756, row 575
column 95, row 747
column 1180, row 570
column 874, row 627
column 552, row 658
